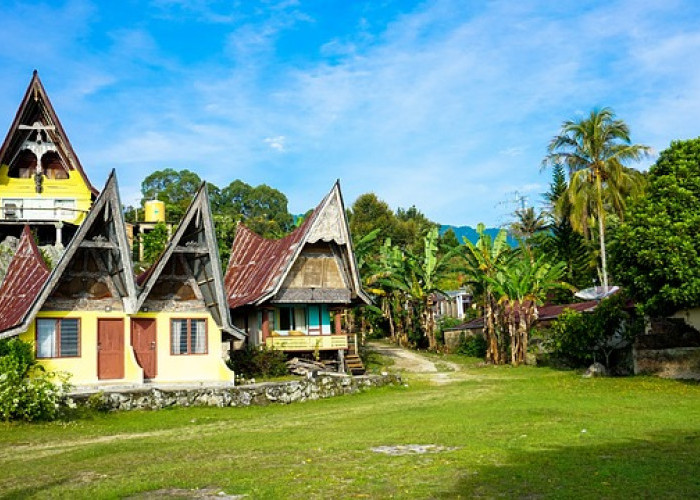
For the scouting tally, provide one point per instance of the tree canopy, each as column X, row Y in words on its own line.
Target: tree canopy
column 175, row 188
column 657, row 250
column 595, row 150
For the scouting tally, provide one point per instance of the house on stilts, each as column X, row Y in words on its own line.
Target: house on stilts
column 291, row 294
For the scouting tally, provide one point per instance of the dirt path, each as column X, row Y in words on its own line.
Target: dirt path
column 410, row 361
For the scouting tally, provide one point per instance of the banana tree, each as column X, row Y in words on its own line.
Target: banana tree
column 522, row 284
column 483, row 261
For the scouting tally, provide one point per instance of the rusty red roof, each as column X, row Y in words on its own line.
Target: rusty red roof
column 36, row 90
column 544, row 313
column 25, row 277
column 257, row 264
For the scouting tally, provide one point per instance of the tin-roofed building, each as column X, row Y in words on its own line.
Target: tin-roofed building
column 290, row 294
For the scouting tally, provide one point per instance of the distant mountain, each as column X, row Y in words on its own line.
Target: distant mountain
column 471, row 234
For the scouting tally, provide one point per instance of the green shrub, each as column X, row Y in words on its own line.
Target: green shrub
column 254, row 361
column 578, row 339
column 472, row 345
column 99, row 402
column 27, row 391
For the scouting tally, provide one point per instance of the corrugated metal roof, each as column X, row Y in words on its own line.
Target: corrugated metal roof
column 25, row 276
column 544, row 313
column 257, row 264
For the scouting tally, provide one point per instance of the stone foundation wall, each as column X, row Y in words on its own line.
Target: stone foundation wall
column 671, row 350
column 452, row 338
column 323, row 386
column 680, row 363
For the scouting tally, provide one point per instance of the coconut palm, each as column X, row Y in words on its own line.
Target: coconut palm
column 595, row 150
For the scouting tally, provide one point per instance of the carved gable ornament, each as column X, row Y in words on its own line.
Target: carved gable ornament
column 329, row 223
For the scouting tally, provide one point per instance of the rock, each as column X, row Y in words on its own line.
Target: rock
column 596, row 370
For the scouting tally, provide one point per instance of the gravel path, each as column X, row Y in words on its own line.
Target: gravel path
column 411, row 361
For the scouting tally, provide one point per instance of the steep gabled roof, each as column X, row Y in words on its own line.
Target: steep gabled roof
column 104, row 234
column 25, row 276
column 36, row 107
column 194, row 248
column 258, row 266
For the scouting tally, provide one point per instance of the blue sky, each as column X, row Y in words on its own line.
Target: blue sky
column 446, row 105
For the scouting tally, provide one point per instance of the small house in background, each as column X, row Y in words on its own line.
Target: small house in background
column 452, row 303
column 290, row 294
column 88, row 318
column 42, row 183
column 546, row 314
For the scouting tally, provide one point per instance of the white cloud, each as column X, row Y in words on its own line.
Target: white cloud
column 448, row 106
column 277, row 143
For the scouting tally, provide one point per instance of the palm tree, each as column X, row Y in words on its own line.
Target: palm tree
column 595, row 150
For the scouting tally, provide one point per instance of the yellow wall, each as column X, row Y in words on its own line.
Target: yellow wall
column 83, row 369
column 208, row 367
column 73, row 187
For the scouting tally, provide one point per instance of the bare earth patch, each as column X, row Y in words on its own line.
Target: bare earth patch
column 412, row 449
column 199, row 494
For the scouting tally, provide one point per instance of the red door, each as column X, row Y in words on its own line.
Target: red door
column 110, row 348
column 143, row 340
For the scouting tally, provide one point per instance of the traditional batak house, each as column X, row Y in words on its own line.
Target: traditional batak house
column 183, row 316
column 42, row 183
column 87, row 313
column 282, row 293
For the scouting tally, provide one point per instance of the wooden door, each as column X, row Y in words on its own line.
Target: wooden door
column 143, row 340
column 110, row 348
column 314, row 320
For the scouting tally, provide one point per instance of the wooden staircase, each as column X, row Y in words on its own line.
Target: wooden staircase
column 354, row 365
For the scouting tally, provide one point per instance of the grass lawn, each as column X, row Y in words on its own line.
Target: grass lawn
column 517, row 432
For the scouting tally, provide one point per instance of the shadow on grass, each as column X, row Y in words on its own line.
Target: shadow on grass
column 32, row 491
column 660, row 466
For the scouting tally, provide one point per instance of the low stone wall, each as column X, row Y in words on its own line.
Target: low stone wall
column 325, row 385
column 671, row 349
column 453, row 338
column 679, row 362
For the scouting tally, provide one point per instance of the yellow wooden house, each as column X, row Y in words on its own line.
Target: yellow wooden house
column 90, row 319
column 42, row 183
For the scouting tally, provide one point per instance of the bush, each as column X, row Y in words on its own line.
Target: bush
column 473, row 346
column 27, row 391
column 579, row 339
column 254, row 361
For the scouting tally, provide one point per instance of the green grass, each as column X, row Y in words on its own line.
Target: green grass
column 523, row 432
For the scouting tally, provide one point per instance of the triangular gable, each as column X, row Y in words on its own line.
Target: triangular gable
column 331, row 224
column 270, row 261
column 37, row 117
column 193, row 254
column 101, row 242
column 25, row 277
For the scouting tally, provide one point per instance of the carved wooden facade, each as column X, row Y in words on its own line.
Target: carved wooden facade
column 283, row 292
column 42, row 182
